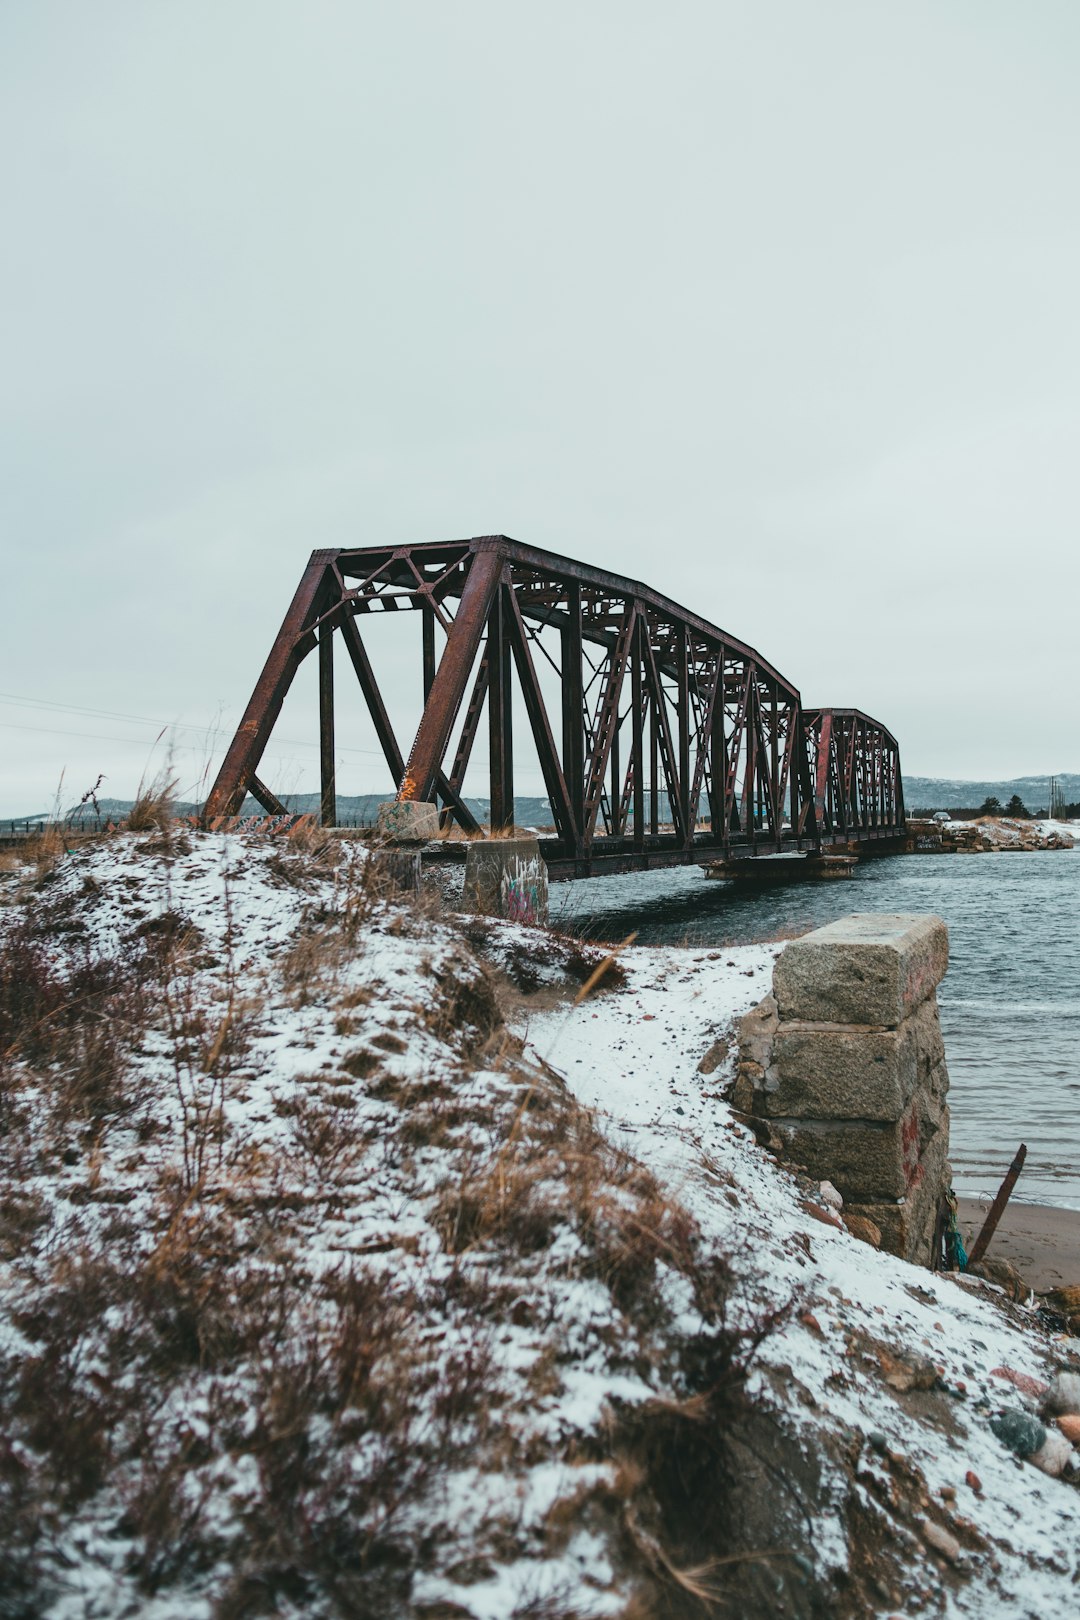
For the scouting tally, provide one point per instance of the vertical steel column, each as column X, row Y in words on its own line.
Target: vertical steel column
column 823, row 735
column 718, row 759
column 326, row 724
column 428, row 616
column 615, row 791
column 688, row 814
column 536, row 709
column 654, row 760
column 749, row 792
column 776, row 809
column 898, row 788
column 573, row 708
column 848, row 781
column 637, row 764
column 500, row 714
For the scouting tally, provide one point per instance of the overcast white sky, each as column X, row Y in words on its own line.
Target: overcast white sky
column 771, row 305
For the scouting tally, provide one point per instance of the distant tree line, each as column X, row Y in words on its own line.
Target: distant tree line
column 1016, row 809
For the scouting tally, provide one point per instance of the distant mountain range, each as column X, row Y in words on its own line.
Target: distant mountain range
column 356, row 810
column 361, row 810
column 950, row 793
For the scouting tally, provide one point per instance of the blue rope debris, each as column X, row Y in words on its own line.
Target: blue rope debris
column 955, row 1254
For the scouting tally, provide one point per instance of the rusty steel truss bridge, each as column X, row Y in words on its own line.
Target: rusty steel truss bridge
column 662, row 740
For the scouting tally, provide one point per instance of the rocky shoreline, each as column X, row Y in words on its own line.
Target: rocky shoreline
column 987, row 835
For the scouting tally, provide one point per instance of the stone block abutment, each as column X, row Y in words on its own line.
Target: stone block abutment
column 846, row 1062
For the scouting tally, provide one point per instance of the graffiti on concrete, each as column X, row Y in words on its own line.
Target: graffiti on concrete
column 523, row 891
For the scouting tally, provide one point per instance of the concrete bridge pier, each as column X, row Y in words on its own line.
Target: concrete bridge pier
column 507, row 877
column 404, row 825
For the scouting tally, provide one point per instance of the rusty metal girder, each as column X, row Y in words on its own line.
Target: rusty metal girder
column 674, row 742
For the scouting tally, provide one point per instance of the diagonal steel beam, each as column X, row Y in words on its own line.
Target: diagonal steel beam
column 361, row 663
column 253, row 733
column 448, row 688
column 269, row 801
column 472, row 719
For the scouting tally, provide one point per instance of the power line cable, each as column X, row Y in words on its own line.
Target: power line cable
column 143, row 720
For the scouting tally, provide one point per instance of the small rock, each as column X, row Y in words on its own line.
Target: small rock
column 826, row 1216
column 716, row 1054
column 1005, row 1275
column 1054, row 1457
column 907, row 1371
column 1065, row 1300
column 1018, row 1430
column 948, row 1493
column 809, row 1320
column 863, row 1228
column 742, row 1093
column 1021, row 1381
column 830, row 1197
column 972, row 1480
column 877, row 1441
column 1069, row 1424
column 941, row 1541
column 1063, row 1396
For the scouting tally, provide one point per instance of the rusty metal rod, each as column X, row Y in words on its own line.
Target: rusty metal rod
column 997, row 1208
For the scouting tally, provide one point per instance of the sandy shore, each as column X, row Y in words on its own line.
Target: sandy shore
column 1042, row 1243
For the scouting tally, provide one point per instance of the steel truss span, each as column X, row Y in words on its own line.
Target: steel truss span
column 662, row 740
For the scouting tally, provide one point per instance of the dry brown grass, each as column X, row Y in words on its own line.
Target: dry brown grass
column 344, row 1415
column 155, row 804
column 529, row 965
column 76, row 1026
column 46, row 850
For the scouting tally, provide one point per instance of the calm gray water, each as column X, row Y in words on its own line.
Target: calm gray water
column 1010, row 1004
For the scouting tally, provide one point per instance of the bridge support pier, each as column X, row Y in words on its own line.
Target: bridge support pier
column 783, row 869
column 846, row 1063
column 506, row 877
column 404, row 824
column 408, row 821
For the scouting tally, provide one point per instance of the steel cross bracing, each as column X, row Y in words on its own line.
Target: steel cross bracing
column 661, row 739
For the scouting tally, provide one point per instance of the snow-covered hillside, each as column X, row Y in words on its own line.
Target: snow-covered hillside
column 350, row 1266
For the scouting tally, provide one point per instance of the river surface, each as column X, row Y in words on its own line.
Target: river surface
column 1010, row 1003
